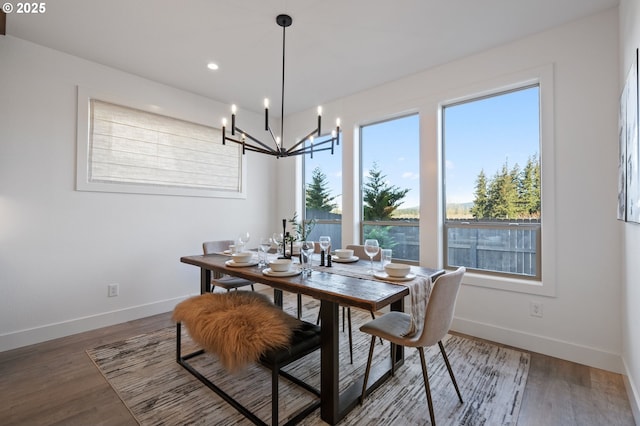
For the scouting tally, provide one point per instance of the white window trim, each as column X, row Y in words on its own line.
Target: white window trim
column 543, row 76
column 83, row 139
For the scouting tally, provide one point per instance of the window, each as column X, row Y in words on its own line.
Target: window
column 492, row 183
column 323, row 192
column 389, row 177
column 131, row 150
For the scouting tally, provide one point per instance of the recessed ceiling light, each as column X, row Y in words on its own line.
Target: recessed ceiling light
column 212, row 66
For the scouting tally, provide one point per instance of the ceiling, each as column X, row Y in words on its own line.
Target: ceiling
column 334, row 47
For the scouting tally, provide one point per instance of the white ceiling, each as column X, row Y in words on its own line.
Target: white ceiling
column 334, row 47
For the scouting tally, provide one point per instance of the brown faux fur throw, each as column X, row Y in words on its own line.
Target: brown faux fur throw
column 237, row 326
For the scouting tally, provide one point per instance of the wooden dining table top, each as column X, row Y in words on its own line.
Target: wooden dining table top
column 324, row 283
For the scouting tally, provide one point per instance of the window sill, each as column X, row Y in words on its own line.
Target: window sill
column 509, row 284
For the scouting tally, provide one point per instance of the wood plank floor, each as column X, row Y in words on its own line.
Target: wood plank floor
column 55, row 383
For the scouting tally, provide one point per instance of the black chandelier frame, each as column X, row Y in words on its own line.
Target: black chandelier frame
column 276, row 146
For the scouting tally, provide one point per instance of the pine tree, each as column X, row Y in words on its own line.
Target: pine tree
column 530, row 188
column 318, row 195
column 481, row 201
column 503, row 195
column 380, row 198
column 510, row 194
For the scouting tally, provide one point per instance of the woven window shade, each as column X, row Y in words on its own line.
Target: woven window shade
column 130, row 146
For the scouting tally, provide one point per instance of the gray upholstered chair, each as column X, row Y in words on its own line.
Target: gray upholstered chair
column 437, row 321
column 225, row 281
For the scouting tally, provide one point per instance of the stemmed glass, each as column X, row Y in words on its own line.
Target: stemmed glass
column 243, row 239
column 307, row 250
column 325, row 243
column 278, row 238
column 371, row 247
column 265, row 245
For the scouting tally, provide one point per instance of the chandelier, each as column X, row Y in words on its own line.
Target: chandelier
column 275, row 146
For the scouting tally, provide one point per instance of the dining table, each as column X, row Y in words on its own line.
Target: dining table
column 342, row 284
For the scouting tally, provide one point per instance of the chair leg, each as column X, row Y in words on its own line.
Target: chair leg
column 274, row 395
column 252, row 289
column 343, row 318
column 350, row 334
column 453, row 378
column 300, row 307
column 394, row 348
column 373, row 316
column 426, row 386
column 366, row 371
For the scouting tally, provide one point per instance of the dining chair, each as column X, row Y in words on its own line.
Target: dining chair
column 225, row 281
column 438, row 316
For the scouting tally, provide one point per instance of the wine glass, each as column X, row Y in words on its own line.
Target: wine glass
column 307, row 249
column 244, row 239
column 278, row 238
column 265, row 245
column 325, row 243
column 371, row 247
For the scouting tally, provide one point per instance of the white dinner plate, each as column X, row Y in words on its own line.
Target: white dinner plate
column 384, row 276
column 289, row 273
column 234, row 264
column 348, row 260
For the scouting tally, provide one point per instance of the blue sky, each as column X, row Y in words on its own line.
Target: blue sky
column 478, row 135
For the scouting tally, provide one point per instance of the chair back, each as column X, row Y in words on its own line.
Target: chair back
column 209, row 247
column 440, row 307
column 358, row 250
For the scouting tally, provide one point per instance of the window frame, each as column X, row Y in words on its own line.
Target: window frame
column 83, row 182
column 542, row 76
column 362, row 222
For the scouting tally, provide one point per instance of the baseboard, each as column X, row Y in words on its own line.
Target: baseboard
column 580, row 354
column 35, row 335
column 632, row 392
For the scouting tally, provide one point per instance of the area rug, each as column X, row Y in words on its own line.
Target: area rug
column 157, row 391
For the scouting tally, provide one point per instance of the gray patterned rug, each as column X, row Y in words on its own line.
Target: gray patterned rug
column 158, row 391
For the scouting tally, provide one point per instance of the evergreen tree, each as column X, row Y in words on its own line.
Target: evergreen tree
column 503, row 195
column 481, row 202
column 318, row 195
column 530, row 188
column 510, row 194
column 380, row 198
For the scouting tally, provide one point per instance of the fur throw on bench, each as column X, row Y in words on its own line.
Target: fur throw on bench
column 236, row 326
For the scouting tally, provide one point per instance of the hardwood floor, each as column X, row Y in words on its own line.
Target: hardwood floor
column 55, row 383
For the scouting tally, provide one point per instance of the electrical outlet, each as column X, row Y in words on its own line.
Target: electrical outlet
column 112, row 290
column 535, row 309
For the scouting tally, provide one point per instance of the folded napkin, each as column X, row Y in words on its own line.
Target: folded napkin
column 419, row 291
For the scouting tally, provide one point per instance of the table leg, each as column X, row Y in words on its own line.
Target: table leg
column 329, row 366
column 278, row 297
column 205, row 280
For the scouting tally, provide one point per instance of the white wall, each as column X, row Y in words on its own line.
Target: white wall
column 59, row 248
column 629, row 42
column 582, row 320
